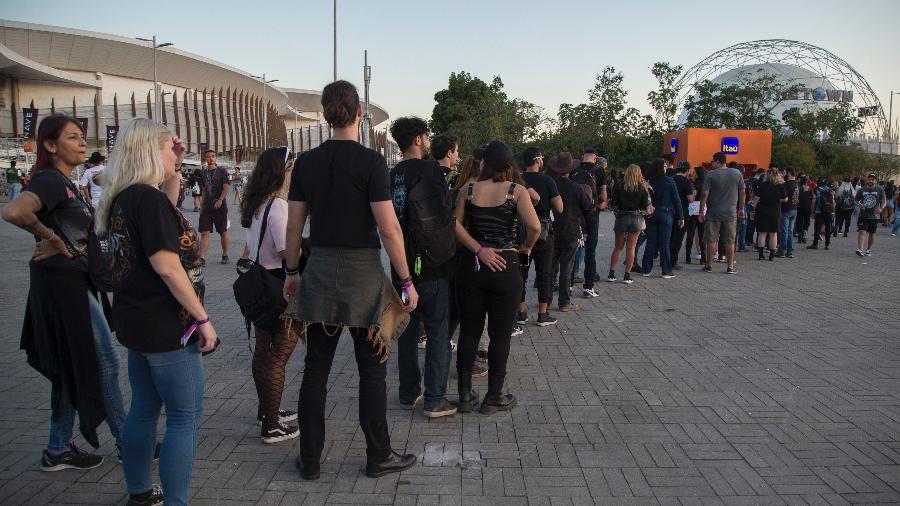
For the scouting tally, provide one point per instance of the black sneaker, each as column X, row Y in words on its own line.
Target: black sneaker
column 72, row 459
column 284, row 416
column 277, row 432
column 544, row 319
column 517, row 330
column 788, row 255
column 410, row 406
column 444, row 408
column 224, row 259
column 731, row 270
column 707, row 268
column 479, row 368
column 152, row 497
column 522, row 318
column 627, row 279
column 155, row 452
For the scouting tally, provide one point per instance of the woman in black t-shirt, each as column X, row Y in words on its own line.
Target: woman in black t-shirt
column 631, row 202
column 767, row 207
column 344, row 188
column 158, row 312
column 65, row 335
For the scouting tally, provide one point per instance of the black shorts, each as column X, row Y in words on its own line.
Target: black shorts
column 210, row 217
column 867, row 225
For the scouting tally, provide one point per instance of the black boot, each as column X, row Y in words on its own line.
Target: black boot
column 468, row 398
column 762, row 253
column 493, row 403
column 771, row 255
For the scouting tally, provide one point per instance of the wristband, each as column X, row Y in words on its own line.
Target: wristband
column 406, row 283
column 479, row 250
column 203, row 321
column 291, row 272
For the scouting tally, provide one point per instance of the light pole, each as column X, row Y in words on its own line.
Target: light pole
column 335, row 40
column 891, row 118
column 155, row 78
column 262, row 78
column 367, row 117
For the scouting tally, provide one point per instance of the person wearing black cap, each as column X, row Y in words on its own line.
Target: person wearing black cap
column 590, row 173
column 90, row 178
column 871, row 200
column 490, row 279
column 567, row 226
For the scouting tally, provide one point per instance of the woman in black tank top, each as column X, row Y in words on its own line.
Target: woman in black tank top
column 490, row 280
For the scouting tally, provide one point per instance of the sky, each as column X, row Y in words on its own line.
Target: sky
column 546, row 52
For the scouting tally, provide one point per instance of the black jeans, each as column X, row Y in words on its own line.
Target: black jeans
column 842, row 217
column 563, row 262
column 802, row 223
column 823, row 221
column 320, row 348
column 694, row 227
column 542, row 258
column 592, row 224
column 677, row 240
column 495, row 294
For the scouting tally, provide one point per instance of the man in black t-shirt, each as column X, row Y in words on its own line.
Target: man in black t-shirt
column 214, row 181
column 788, row 215
column 567, row 227
column 591, row 172
column 687, row 194
column 431, row 281
column 542, row 253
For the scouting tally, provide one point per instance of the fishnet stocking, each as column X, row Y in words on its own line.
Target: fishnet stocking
column 269, row 360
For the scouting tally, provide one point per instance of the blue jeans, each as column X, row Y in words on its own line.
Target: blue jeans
column 742, row 234
column 433, row 311
column 14, row 190
column 173, row 379
column 786, row 231
column 579, row 259
column 659, row 235
column 896, row 228
column 108, row 362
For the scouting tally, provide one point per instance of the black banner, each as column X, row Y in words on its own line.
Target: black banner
column 112, row 132
column 83, row 122
column 29, row 122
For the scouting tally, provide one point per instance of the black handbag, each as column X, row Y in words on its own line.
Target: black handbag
column 259, row 293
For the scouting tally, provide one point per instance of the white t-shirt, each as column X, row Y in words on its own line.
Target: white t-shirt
column 90, row 179
column 274, row 239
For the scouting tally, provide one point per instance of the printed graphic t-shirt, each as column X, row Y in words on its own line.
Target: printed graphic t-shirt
column 146, row 316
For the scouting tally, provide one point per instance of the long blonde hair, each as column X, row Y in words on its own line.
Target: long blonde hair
column 633, row 179
column 135, row 160
column 774, row 176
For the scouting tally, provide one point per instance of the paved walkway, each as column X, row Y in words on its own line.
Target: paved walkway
column 780, row 385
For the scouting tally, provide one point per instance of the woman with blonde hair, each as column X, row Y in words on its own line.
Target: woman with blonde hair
column 158, row 311
column 767, row 203
column 631, row 202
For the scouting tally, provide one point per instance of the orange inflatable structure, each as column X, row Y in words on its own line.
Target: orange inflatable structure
column 750, row 148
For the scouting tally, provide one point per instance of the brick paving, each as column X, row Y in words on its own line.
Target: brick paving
column 780, row 385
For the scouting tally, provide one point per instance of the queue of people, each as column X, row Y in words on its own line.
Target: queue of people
column 461, row 245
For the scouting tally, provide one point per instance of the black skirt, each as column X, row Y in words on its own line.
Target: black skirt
column 768, row 219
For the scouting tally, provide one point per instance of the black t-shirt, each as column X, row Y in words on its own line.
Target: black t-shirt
column 792, row 191
column 146, row 316
column 212, row 184
column 576, row 205
column 769, row 195
column 66, row 213
column 685, row 188
column 403, row 177
column 338, row 180
column 545, row 186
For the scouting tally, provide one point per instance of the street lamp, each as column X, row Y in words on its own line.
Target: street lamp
column 262, row 79
column 155, row 79
column 891, row 118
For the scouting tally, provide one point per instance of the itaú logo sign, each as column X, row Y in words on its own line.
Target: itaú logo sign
column 730, row 145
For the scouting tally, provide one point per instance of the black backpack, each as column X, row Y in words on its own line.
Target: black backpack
column 259, row 293
column 430, row 224
column 806, row 199
column 827, row 202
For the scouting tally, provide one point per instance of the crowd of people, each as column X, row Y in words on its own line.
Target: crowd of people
column 461, row 243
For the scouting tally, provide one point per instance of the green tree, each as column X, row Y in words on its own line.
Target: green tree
column 838, row 122
column 745, row 104
column 480, row 112
column 664, row 100
column 795, row 152
column 607, row 101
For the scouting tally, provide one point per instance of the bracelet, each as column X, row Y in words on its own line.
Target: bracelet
column 203, row 321
column 479, row 250
column 51, row 236
column 406, row 283
column 291, row 272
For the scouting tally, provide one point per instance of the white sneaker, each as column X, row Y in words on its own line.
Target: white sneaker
column 422, row 342
column 698, row 256
column 518, row 330
column 589, row 293
column 868, row 253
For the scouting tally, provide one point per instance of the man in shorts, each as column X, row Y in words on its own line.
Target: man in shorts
column 871, row 201
column 214, row 209
column 721, row 204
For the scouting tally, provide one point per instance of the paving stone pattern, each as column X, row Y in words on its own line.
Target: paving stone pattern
column 780, row 385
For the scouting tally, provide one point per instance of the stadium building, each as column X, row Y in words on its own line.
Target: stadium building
column 104, row 80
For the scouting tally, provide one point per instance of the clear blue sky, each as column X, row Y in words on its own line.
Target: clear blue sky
column 547, row 52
